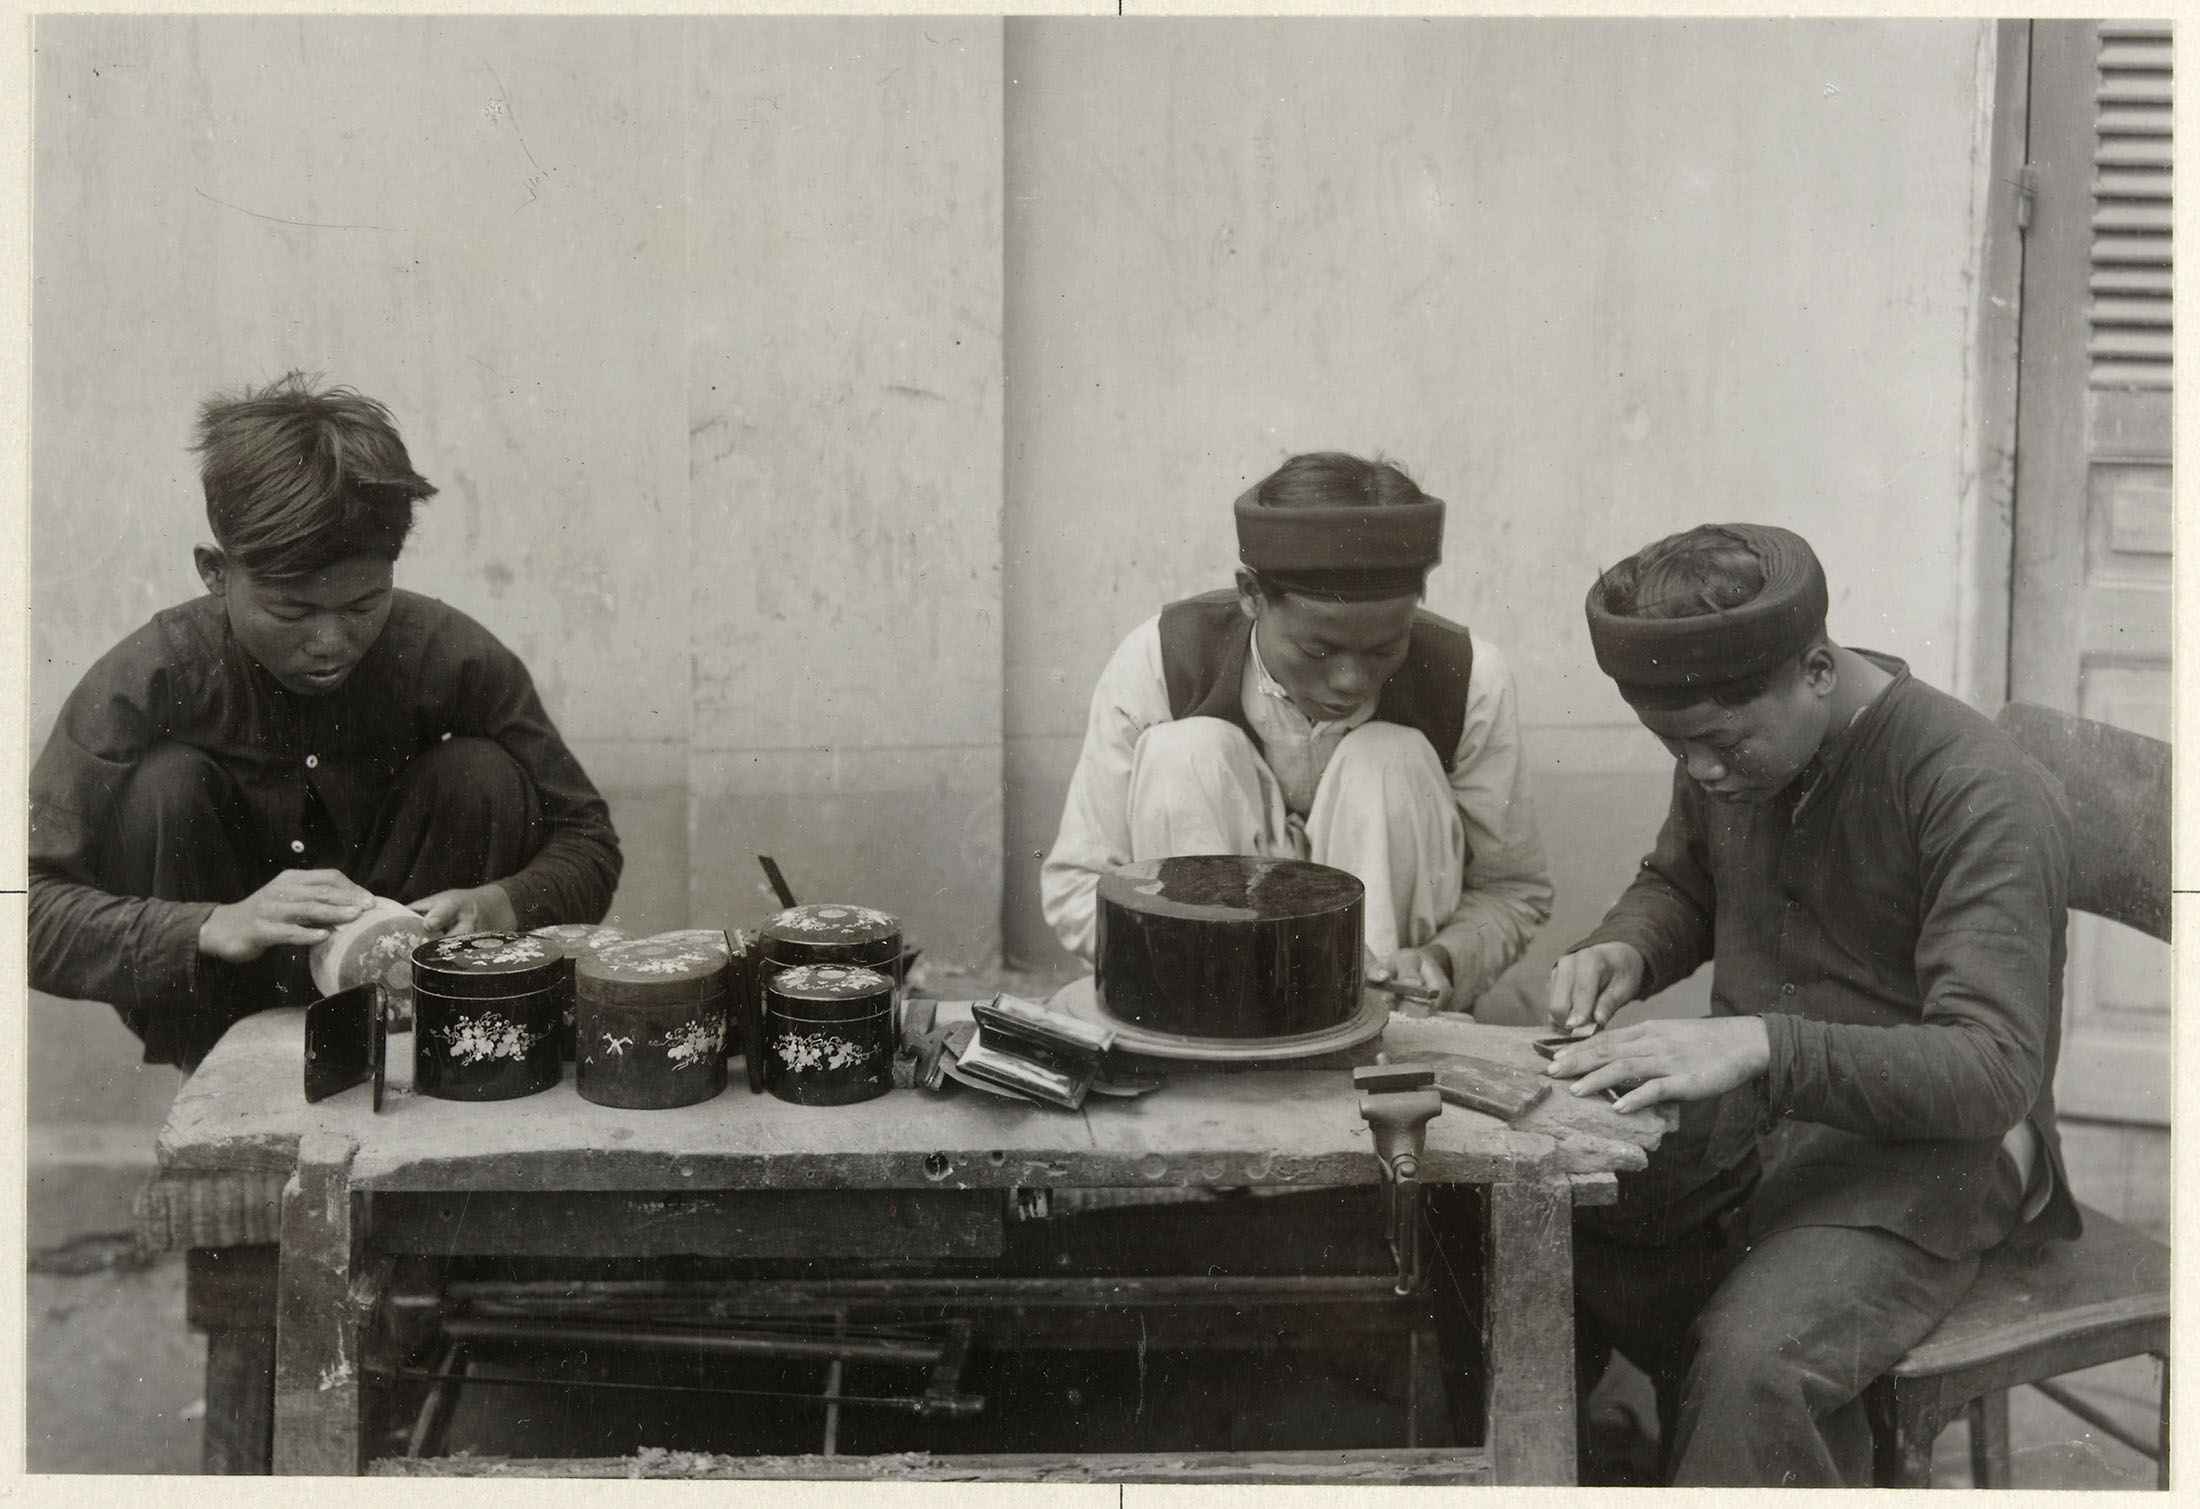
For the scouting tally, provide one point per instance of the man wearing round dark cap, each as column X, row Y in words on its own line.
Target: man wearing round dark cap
column 1316, row 711
column 1878, row 875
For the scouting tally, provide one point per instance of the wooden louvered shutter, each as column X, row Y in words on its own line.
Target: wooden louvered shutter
column 2129, row 320
column 2090, row 628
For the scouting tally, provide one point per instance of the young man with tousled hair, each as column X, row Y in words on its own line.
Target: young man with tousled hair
column 1877, row 875
column 246, row 771
column 1317, row 711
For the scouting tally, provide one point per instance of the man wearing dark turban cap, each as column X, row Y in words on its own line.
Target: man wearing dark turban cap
column 1877, row 874
column 1316, row 711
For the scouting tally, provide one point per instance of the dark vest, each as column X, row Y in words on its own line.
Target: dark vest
column 1205, row 639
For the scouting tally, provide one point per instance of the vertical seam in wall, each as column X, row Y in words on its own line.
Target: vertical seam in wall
column 692, row 813
column 1972, row 460
column 1008, row 25
column 1986, row 471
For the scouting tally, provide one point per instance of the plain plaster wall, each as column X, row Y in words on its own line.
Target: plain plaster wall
column 1589, row 281
column 696, row 324
column 817, row 402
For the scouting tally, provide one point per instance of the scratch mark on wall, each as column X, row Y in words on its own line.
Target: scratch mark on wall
column 513, row 116
column 311, row 225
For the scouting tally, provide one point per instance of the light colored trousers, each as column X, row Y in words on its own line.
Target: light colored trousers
column 1382, row 810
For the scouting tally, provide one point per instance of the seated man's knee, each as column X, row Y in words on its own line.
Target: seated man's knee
column 1388, row 746
column 180, row 830
column 1192, row 744
column 1748, row 1370
column 471, row 767
column 173, row 783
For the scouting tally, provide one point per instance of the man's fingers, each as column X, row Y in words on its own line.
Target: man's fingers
column 1622, row 1075
column 335, row 881
column 437, row 912
column 1566, row 986
column 309, row 913
column 327, row 887
column 276, row 934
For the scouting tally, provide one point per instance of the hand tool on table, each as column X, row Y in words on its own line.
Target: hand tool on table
column 1019, row 1051
column 1420, row 995
column 785, row 893
column 1398, row 1101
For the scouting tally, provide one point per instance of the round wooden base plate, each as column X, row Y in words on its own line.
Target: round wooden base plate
column 1077, row 998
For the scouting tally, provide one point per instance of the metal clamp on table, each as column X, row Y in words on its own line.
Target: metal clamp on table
column 1397, row 1101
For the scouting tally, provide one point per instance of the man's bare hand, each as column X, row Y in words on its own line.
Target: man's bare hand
column 1429, row 968
column 297, row 907
column 1667, row 1060
column 480, row 909
column 1587, row 986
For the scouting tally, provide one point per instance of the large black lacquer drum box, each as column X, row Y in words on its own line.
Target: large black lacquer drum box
column 828, row 1033
column 487, row 1008
column 1229, row 946
column 650, row 1023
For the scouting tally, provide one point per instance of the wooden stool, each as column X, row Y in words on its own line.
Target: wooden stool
column 2026, row 1319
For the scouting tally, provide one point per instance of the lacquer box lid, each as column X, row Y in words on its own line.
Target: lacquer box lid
column 376, row 945
column 715, row 939
column 646, row 971
column 1231, row 888
column 479, row 966
column 831, row 924
column 579, row 938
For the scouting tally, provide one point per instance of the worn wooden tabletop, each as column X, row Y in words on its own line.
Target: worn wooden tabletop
column 244, row 1112
column 245, row 1159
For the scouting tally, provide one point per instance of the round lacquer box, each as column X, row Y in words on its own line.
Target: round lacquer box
column 487, row 1008
column 650, row 1023
column 829, row 1034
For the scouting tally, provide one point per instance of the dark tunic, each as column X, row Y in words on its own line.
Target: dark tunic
column 1896, row 917
column 313, row 772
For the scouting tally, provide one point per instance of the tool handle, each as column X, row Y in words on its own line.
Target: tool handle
column 779, row 881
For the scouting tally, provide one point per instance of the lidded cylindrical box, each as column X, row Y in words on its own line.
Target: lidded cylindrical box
column 1228, row 945
column 487, row 1007
column 832, row 933
column 818, row 933
column 650, row 1023
column 578, row 940
column 829, row 1033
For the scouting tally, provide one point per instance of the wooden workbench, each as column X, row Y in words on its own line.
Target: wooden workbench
column 243, row 1159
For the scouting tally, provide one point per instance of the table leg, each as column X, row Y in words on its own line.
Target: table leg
column 1528, row 1332
column 319, row 1316
column 229, row 1293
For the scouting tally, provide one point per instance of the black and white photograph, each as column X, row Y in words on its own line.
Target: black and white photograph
column 1317, row 751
